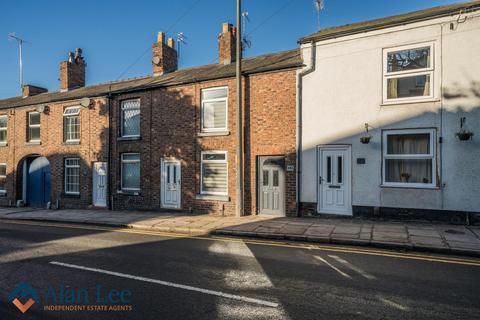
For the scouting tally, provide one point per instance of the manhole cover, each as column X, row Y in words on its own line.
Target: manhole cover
column 454, row 231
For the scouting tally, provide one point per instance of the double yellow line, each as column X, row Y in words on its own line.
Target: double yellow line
column 284, row 244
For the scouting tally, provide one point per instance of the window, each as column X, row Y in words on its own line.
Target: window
column 3, row 129
column 130, row 171
column 3, row 178
column 214, row 109
column 71, row 124
column 72, row 176
column 409, row 158
column 130, row 118
column 214, row 173
column 408, row 73
column 34, row 126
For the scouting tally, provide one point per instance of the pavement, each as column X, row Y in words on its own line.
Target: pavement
column 171, row 276
column 419, row 236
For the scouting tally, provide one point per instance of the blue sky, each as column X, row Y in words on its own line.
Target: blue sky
column 114, row 33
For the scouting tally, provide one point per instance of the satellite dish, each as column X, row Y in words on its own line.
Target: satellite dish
column 85, row 102
column 156, row 60
column 40, row 108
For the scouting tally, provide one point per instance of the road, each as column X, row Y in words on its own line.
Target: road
column 173, row 277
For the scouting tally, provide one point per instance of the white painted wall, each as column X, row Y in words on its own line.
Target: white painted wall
column 345, row 92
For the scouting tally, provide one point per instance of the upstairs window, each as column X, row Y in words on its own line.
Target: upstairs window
column 33, row 126
column 408, row 73
column 214, row 109
column 3, row 129
column 130, row 118
column 409, row 158
column 3, row 178
column 72, row 176
column 71, row 124
column 214, row 173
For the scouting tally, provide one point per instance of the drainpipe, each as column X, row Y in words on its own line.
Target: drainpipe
column 298, row 142
column 109, row 173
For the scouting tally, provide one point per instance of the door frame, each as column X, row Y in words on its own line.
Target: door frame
column 106, row 184
column 163, row 161
column 258, row 187
column 348, row 148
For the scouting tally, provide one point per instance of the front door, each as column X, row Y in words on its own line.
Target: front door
column 334, row 180
column 100, row 184
column 38, row 182
column 271, row 185
column 171, row 183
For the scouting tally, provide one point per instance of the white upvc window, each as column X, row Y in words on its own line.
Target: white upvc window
column 408, row 73
column 409, row 158
column 214, row 109
column 130, row 171
column 3, row 178
column 72, row 176
column 214, row 173
column 3, row 129
column 71, row 124
column 130, row 118
column 34, row 126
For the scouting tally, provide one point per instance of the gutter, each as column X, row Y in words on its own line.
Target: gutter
column 298, row 142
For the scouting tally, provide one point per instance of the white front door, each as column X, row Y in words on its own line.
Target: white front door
column 334, row 180
column 171, row 183
column 100, row 184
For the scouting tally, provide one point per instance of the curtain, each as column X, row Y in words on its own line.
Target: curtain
column 392, row 88
column 426, row 90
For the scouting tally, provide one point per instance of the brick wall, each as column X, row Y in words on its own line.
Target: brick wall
column 170, row 127
column 92, row 147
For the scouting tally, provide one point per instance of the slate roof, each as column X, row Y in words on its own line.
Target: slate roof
column 269, row 62
column 416, row 16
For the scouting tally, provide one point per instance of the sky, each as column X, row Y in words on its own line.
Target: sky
column 116, row 35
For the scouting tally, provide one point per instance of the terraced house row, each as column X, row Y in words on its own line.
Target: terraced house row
column 373, row 118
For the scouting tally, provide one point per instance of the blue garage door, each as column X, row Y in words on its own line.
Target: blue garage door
column 38, row 182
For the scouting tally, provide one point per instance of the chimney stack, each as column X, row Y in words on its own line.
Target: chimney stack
column 164, row 58
column 72, row 72
column 28, row 90
column 227, row 44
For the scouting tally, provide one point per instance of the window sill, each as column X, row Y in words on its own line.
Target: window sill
column 3, row 144
column 3, row 193
column 395, row 102
column 213, row 133
column 129, row 138
column 129, row 192
column 70, row 195
column 406, row 186
column 33, row 143
column 69, row 143
column 212, row 197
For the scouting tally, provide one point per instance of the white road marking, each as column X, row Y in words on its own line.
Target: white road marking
column 333, row 267
column 169, row 284
column 352, row 267
column 394, row 304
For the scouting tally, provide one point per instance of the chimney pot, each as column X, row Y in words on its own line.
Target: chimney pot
column 72, row 71
column 171, row 43
column 161, row 37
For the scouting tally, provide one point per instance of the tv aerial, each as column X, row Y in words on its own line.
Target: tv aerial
column 181, row 39
column 246, row 41
column 20, row 41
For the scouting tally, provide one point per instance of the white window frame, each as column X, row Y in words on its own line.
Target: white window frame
column 4, row 129
column 212, row 161
column 430, row 71
column 121, row 119
column 75, row 114
column 3, row 191
column 130, row 161
column 431, row 155
column 65, row 175
column 203, row 129
column 34, row 126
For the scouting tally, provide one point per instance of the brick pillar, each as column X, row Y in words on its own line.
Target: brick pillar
column 227, row 44
column 164, row 55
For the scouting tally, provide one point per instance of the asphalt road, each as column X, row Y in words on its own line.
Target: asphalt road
column 201, row 278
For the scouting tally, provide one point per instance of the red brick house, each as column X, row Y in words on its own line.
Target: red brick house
column 161, row 142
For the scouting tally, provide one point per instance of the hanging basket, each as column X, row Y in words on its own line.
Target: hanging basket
column 365, row 139
column 464, row 135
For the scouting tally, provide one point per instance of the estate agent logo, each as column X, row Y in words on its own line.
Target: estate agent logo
column 23, row 293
